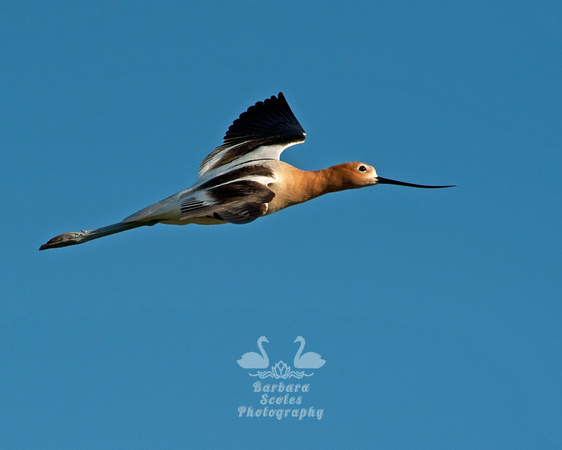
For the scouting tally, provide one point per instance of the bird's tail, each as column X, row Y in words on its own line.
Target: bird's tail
column 78, row 237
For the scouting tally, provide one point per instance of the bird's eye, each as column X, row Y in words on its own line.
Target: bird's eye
column 362, row 169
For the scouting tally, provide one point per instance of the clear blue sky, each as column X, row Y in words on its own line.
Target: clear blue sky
column 438, row 312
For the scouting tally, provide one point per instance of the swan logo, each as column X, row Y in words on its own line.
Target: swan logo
column 281, row 400
column 281, row 370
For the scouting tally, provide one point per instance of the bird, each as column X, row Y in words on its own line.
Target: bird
column 244, row 179
column 253, row 360
column 309, row 360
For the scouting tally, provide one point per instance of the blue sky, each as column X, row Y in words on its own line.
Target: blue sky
column 438, row 312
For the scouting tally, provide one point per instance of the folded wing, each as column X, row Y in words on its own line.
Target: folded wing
column 237, row 202
column 239, row 196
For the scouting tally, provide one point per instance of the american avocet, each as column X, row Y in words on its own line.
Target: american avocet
column 244, row 179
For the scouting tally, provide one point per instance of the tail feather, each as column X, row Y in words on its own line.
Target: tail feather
column 78, row 237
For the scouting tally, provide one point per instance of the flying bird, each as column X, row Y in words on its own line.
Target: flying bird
column 244, row 179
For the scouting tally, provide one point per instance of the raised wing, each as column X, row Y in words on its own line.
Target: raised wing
column 262, row 132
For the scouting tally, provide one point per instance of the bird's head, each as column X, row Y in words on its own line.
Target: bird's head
column 358, row 175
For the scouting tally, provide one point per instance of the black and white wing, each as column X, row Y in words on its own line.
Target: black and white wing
column 237, row 202
column 239, row 196
column 262, row 132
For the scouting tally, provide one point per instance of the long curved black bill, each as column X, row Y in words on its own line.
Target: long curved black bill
column 381, row 180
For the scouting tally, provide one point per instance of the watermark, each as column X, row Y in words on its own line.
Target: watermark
column 281, row 400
